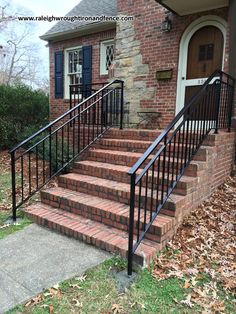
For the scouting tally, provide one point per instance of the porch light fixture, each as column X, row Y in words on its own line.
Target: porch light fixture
column 166, row 25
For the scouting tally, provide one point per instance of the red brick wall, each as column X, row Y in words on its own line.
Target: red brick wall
column 161, row 50
column 218, row 156
column 59, row 106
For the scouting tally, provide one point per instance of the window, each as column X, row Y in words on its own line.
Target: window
column 206, row 52
column 106, row 56
column 73, row 68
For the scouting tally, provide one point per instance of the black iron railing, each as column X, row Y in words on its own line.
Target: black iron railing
column 155, row 175
column 79, row 92
column 45, row 154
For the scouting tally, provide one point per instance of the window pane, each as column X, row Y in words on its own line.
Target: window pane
column 75, row 61
column 70, row 62
column 109, row 55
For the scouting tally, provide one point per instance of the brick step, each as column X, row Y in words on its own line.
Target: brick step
column 142, row 134
column 134, row 134
column 141, row 146
column 110, row 213
column 119, row 173
column 123, row 145
column 129, row 159
column 145, row 135
column 108, row 238
column 203, row 153
column 116, row 191
column 85, row 133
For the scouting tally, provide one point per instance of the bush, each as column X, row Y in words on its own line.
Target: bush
column 22, row 112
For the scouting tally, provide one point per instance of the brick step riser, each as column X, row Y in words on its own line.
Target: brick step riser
column 142, row 135
column 169, row 209
column 84, row 137
column 77, row 235
column 128, row 147
column 192, row 170
column 104, row 244
column 141, row 148
column 110, row 219
column 109, row 174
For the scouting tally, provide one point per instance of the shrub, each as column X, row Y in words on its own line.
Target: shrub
column 22, row 112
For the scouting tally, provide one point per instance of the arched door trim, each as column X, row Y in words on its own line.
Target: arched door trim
column 208, row 20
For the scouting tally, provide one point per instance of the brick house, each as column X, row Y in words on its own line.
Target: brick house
column 172, row 67
column 201, row 39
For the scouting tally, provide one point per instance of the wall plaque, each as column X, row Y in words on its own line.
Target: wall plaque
column 164, row 74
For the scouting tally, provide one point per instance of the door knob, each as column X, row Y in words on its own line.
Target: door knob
column 183, row 78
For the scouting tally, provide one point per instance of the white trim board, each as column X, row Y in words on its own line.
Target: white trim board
column 208, row 20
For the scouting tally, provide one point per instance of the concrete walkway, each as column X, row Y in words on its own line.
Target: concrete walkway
column 35, row 258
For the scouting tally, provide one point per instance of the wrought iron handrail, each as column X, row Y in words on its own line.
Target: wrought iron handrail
column 46, row 153
column 155, row 175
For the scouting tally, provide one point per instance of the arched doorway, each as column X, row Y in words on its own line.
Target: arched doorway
column 201, row 52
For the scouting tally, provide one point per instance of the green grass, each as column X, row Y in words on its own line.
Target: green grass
column 98, row 293
column 5, row 185
column 6, row 229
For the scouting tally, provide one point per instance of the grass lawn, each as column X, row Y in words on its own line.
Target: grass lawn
column 97, row 292
column 5, row 199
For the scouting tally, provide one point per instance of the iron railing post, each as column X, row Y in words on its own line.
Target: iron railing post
column 13, row 182
column 231, row 101
column 122, row 105
column 218, row 96
column 50, row 151
column 70, row 87
column 131, row 224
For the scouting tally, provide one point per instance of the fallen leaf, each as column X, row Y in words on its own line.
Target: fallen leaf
column 117, row 308
column 186, row 284
column 77, row 303
column 187, row 301
column 75, row 286
column 81, row 278
column 51, row 309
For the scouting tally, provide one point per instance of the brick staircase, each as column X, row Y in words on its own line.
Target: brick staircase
column 91, row 203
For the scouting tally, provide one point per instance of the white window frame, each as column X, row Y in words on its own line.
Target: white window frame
column 103, row 46
column 66, row 70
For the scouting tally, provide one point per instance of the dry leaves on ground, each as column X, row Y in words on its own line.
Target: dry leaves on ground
column 5, row 166
column 205, row 245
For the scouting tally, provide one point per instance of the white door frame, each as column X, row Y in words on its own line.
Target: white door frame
column 208, row 20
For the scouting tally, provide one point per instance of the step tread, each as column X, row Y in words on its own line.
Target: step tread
column 119, row 186
column 104, row 204
column 91, row 229
column 125, row 169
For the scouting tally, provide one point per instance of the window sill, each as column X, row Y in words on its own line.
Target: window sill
column 104, row 75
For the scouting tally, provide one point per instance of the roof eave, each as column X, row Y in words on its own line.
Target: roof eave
column 166, row 6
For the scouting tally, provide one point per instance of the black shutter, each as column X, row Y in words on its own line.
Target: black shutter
column 87, row 70
column 59, row 74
